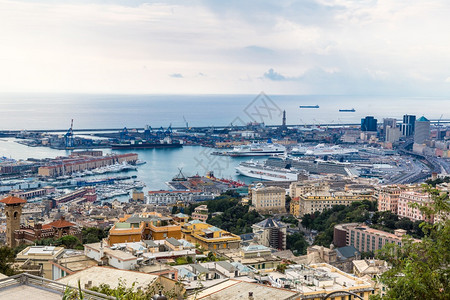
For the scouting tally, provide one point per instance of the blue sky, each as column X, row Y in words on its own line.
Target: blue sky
column 226, row 47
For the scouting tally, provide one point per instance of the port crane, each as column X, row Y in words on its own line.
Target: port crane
column 68, row 137
column 124, row 134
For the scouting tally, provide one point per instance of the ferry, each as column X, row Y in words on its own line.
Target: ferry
column 260, row 171
column 165, row 143
column 257, row 149
column 347, row 110
column 309, row 106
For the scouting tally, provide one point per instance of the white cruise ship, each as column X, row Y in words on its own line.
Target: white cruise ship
column 260, row 171
column 257, row 149
column 322, row 150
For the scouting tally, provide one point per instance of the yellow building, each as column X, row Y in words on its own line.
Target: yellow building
column 144, row 226
column 310, row 203
column 209, row 237
column 124, row 232
column 268, row 199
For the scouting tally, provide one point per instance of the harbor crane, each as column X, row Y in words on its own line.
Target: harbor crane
column 68, row 137
column 124, row 134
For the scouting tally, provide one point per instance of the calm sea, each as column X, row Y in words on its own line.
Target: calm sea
column 117, row 111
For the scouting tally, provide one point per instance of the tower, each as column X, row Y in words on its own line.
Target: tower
column 13, row 211
column 284, row 119
column 408, row 126
column 422, row 130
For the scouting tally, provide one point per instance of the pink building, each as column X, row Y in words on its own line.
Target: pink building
column 413, row 213
column 364, row 238
column 388, row 198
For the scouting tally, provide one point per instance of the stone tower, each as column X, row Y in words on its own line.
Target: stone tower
column 13, row 211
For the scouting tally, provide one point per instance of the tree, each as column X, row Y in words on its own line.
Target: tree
column 421, row 270
column 6, row 259
column 296, row 243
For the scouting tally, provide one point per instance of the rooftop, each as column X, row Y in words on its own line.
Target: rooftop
column 12, row 200
column 98, row 275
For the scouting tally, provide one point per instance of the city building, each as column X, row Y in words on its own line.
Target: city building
column 54, row 230
column 268, row 199
column 392, row 134
column 40, row 256
column 209, row 237
column 422, row 130
column 13, row 211
column 364, row 238
column 270, row 233
column 257, row 257
column 406, row 199
column 200, row 213
column 408, row 125
column 315, row 281
column 234, row 289
column 312, row 202
column 387, row 197
column 302, row 187
column 369, row 123
column 144, row 226
column 63, row 166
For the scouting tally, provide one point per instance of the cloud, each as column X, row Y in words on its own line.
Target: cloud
column 176, row 75
column 100, row 46
column 272, row 75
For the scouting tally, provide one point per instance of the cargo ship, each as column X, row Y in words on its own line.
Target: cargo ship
column 309, row 106
column 165, row 143
column 347, row 110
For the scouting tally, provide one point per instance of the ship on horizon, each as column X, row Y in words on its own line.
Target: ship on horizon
column 309, row 106
column 347, row 110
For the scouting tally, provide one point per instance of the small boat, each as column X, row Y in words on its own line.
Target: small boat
column 347, row 110
column 309, row 106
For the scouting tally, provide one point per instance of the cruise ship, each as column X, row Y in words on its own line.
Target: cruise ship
column 256, row 149
column 322, row 150
column 261, row 171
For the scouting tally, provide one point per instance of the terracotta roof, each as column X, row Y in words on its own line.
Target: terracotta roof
column 13, row 200
column 61, row 223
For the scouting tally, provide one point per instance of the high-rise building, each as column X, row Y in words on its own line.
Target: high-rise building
column 389, row 122
column 422, row 130
column 13, row 211
column 408, row 125
column 369, row 123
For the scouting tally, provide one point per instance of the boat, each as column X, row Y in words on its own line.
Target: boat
column 256, row 149
column 322, row 150
column 261, row 171
column 164, row 143
column 347, row 110
column 140, row 162
column 309, row 106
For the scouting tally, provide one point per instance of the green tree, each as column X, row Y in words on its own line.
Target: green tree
column 421, row 270
column 7, row 256
column 296, row 243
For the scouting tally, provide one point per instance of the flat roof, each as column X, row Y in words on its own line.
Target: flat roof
column 28, row 292
column 98, row 275
column 236, row 290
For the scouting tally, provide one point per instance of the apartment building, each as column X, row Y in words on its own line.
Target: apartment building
column 364, row 238
column 268, row 199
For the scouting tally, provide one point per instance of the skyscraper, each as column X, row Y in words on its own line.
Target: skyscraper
column 369, row 123
column 422, row 130
column 408, row 125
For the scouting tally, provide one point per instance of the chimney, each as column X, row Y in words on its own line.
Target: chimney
column 250, row 296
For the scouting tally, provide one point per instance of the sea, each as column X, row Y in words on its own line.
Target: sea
column 55, row 111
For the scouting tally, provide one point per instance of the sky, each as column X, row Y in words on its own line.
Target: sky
column 323, row 47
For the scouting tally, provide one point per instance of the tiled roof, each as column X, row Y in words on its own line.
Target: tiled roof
column 61, row 223
column 269, row 223
column 12, row 200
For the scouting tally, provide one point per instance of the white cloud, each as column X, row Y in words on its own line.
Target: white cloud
column 341, row 45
